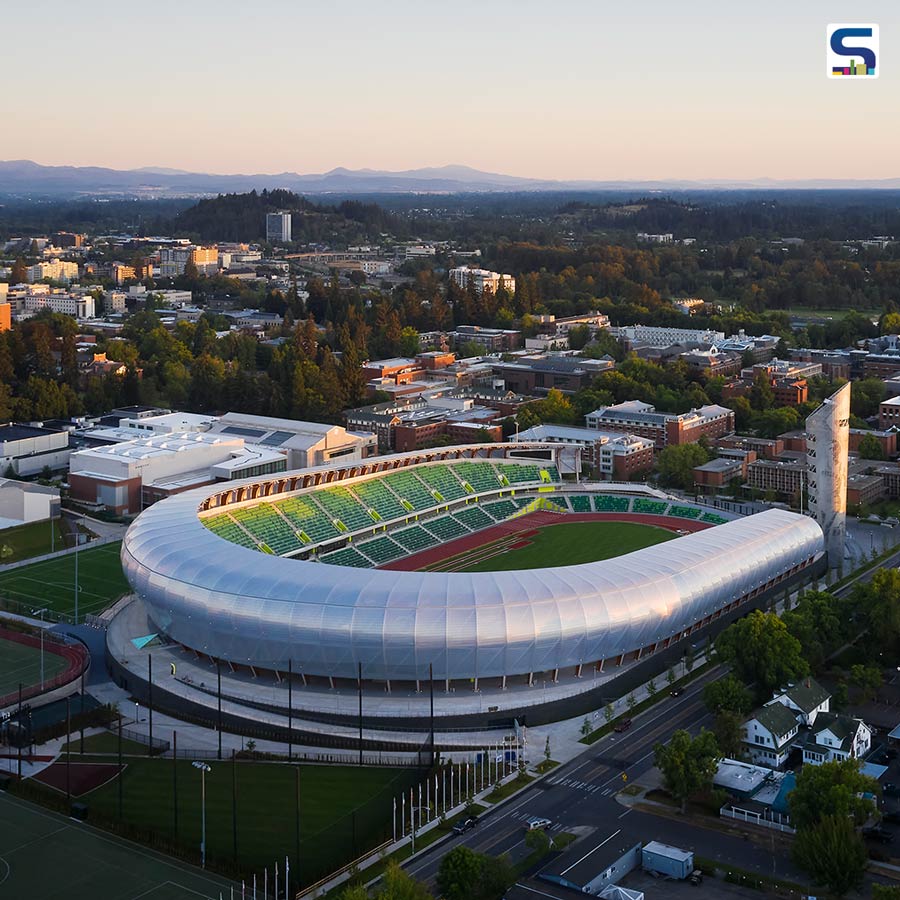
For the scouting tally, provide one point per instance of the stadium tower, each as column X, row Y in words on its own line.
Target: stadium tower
column 827, row 446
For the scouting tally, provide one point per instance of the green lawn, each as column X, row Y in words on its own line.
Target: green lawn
column 44, row 854
column 22, row 665
column 106, row 742
column 51, row 582
column 343, row 809
column 30, row 540
column 573, row 543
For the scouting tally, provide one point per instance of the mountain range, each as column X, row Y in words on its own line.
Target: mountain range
column 24, row 178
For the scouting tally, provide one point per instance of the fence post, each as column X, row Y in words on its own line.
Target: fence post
column 150, row 701
column 120, row 765
column 175, row 784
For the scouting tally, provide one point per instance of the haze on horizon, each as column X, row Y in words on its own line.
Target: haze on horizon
column 572, row 90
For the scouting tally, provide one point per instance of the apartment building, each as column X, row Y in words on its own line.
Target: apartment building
column 660, row 336
column 173, row 260
column 278, row 227
column 483, row 280
column 52, row 270
column 664, row 429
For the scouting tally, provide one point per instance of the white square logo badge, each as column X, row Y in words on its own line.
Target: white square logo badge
column 851, row 51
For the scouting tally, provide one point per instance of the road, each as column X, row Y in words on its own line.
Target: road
column 580, row 796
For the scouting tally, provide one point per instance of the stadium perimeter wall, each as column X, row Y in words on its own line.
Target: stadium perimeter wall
column 203, row 709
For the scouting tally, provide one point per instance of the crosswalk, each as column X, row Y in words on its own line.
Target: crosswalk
column 522, row 816
column 584, row 786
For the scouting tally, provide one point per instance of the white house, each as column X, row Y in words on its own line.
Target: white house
column 835, row 737
column 769, row 734
column 806, row 699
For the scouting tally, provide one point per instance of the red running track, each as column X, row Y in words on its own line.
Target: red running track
column 535, row 520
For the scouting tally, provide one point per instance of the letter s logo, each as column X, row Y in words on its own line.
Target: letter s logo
column 852, row 50
column 838, row 46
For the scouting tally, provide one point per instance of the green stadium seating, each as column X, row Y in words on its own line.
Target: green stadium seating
column 501, row 510
column 264, row 523
column 445, row 528
column 442, row 479
column 713, row 518
column 606, row 503
column 522, row 501
column 381, row 549
column 225, row 527
column 481, row 475
column 473, row 517
column 414, row 539
column 649, row 507
column 552, row 473
column 340, row 504
column 346, row 557
column 519, row 474
column 374, row 494
column 305, row 516
column 580, row 503
column 406, row 486
column 684, row 512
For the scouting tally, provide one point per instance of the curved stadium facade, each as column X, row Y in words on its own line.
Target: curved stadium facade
column 284, row 571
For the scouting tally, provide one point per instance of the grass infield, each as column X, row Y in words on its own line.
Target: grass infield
column 344, row 810
column 567, row 544
column 20, row 664
column 33, row 539
column 51, row 582
column 44, row 854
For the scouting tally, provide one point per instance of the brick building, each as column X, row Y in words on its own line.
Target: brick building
column 610, row 455
column 637, row 417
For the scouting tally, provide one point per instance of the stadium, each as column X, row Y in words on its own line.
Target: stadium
column 427, row 568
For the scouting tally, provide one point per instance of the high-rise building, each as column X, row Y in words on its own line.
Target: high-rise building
column 827, row 447
column 278, row 227
column 52, row 270
column 483, row 280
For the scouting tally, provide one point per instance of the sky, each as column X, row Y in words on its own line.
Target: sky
column 561, row 90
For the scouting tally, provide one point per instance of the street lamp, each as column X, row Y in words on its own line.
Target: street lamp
column 40, row 612
column 204, row 768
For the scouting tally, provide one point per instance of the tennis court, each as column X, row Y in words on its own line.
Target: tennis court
column 51, row 582
column 47, row 856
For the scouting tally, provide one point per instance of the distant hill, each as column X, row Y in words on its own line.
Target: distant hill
column 242, row 217
column 27, row 178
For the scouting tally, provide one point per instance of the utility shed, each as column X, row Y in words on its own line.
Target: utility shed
column 666, row 860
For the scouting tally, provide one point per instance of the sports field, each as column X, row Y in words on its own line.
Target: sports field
column 21, row 664
column 51, row 582
column 45, row 855
column 566, row 544
column 343, row 809
column 30, row 540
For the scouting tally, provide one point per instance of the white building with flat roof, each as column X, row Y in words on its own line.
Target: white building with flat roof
column 127, row 476
column 483, row 280
column 303, row 443
column 660, row 337
column 52, row 270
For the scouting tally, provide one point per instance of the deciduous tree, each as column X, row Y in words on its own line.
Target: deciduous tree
column 687, row 764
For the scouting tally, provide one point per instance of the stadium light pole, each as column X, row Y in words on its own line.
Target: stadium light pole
column 40, row 612
column 204, row 768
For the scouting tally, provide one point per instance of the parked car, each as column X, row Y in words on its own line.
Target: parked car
column 676, row 692
column 463, row 825
column 889, row 789
column 535, row 824
column 624, row 725
column 696, row 877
